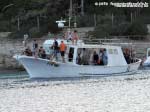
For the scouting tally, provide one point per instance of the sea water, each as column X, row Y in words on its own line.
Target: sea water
column 126, row 93
column 22, row 78
column 8, row 80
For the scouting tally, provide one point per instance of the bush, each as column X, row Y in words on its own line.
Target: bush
column 102, row 31
column 104, row 19
column 120, row 30
column 137, row 28
column 34, row 32
column 4, row 26
column 85, row 21
column 17, row 34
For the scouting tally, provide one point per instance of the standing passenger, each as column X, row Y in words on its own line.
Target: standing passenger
column 75, row 37
column 55, row 48
column 78, row 60
column 105, row 58
column 62, row 50
column 35, row 48
column 70, row 56
column 95, row 58
column 101, row 57
column 68, row 35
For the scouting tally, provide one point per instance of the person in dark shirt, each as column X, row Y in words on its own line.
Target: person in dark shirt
column 95, row 58
column 35, row 48
column 55, row 47
column 28, row 51
column 78, row 59
column 42, row 53
column 35, row 44
column 70, row 55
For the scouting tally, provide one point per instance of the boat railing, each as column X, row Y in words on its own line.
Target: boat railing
column 107, row 41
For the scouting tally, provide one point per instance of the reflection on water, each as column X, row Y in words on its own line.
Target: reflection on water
column 11, row 80
column 21, row 80
column 19, row 74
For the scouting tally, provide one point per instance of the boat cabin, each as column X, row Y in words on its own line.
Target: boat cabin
column 148, row 53
column 87, row 54
column 102, row 55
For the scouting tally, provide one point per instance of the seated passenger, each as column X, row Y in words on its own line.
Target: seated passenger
column 42, row 53
column 28, row 51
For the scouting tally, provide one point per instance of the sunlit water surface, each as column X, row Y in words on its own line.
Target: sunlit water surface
column 22, row 80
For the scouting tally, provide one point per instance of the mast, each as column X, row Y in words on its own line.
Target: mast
column 82, row 7
column 70, row 13
column 70, row 9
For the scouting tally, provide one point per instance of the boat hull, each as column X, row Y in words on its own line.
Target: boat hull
column 42, row 68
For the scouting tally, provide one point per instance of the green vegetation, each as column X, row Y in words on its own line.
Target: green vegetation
column 37, row 17
column 135, row 30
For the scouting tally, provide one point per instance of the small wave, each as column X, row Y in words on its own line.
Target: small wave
column 23, row 81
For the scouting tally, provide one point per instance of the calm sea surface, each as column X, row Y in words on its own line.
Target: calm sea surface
column 122, row 93
column 21, row 79
column 10, row 80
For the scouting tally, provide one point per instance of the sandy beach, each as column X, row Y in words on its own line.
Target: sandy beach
column 106, row 94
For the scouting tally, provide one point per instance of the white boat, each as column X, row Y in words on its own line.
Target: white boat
column 115, row 62
column 146, row 62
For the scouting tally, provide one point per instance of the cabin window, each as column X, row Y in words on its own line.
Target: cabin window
column 113, row 51
column 148, row 52
column 70, row 54
column 91, row 56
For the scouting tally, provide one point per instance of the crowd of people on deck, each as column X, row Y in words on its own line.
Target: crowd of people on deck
column 99, row 57
column 83, row 58
column 36, row 51
column 55, row 48
column 90, row 56
column 40, row 52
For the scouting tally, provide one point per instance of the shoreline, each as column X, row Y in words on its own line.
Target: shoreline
column 9, row 71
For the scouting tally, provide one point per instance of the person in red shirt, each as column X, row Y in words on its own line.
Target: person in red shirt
column 62, row 50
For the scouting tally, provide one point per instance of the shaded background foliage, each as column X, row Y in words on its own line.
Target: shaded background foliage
column 48, row 11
